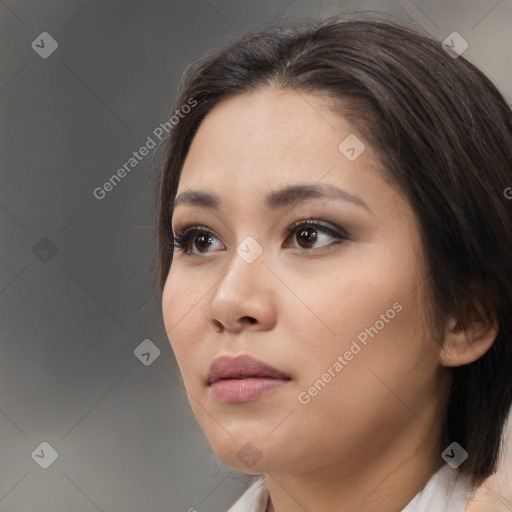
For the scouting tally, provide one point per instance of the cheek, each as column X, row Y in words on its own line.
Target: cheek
column 373, row 315
column 381, row 336
column 183, row 315
column 356, row 293
column 381, row 383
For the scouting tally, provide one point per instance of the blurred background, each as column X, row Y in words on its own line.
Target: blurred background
column 93, row 415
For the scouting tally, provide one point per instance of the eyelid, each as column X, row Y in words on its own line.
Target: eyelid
column 185, row 233
column 332, row 229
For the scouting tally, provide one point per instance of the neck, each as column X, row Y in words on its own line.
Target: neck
column 386, row 483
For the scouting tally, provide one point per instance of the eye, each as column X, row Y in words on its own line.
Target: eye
column 198, row 236
column 309, row 233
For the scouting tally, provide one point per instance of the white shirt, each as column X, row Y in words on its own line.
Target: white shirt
column 445, row 491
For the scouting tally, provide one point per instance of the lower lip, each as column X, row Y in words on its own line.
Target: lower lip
column 244, row 390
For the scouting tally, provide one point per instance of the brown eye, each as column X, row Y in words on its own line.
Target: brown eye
column 202, row 241
column 194, row 240
column 309, row 234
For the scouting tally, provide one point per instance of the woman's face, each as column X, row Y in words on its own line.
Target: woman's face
column 337, row 308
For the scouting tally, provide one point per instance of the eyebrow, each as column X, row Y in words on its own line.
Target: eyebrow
column 275, row 200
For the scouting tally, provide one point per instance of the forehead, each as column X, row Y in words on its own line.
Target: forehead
column 272, row 136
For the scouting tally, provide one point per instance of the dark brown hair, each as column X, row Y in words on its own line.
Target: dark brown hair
column 444, row 135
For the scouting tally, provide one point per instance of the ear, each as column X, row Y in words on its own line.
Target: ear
column 468, row 338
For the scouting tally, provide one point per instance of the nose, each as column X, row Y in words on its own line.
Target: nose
column 243, row 299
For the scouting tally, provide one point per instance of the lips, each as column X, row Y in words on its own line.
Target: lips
column 242, row 367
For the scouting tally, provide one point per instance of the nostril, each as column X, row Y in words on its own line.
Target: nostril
column 218, row 325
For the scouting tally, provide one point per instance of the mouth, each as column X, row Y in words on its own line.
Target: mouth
column 242, row 367
column 243, row 378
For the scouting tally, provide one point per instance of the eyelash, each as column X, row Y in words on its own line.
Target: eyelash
column 183, row 238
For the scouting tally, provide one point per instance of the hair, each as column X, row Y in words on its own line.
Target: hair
column 443, row 133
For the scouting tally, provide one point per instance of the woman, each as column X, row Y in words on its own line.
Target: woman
column 340, row 295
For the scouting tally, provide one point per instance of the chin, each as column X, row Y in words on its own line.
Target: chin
column 248, row 454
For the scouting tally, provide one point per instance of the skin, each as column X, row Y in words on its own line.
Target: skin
column 367, row 441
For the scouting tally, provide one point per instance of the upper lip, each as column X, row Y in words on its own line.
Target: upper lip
column 229, row 367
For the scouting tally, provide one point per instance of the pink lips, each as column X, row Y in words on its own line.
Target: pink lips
column 242, row 378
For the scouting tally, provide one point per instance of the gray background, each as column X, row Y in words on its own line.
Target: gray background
column 71, row 319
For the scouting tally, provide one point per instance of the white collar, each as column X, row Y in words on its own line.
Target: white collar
column 446, row 490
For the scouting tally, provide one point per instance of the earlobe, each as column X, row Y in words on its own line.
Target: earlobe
column 464, row 345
